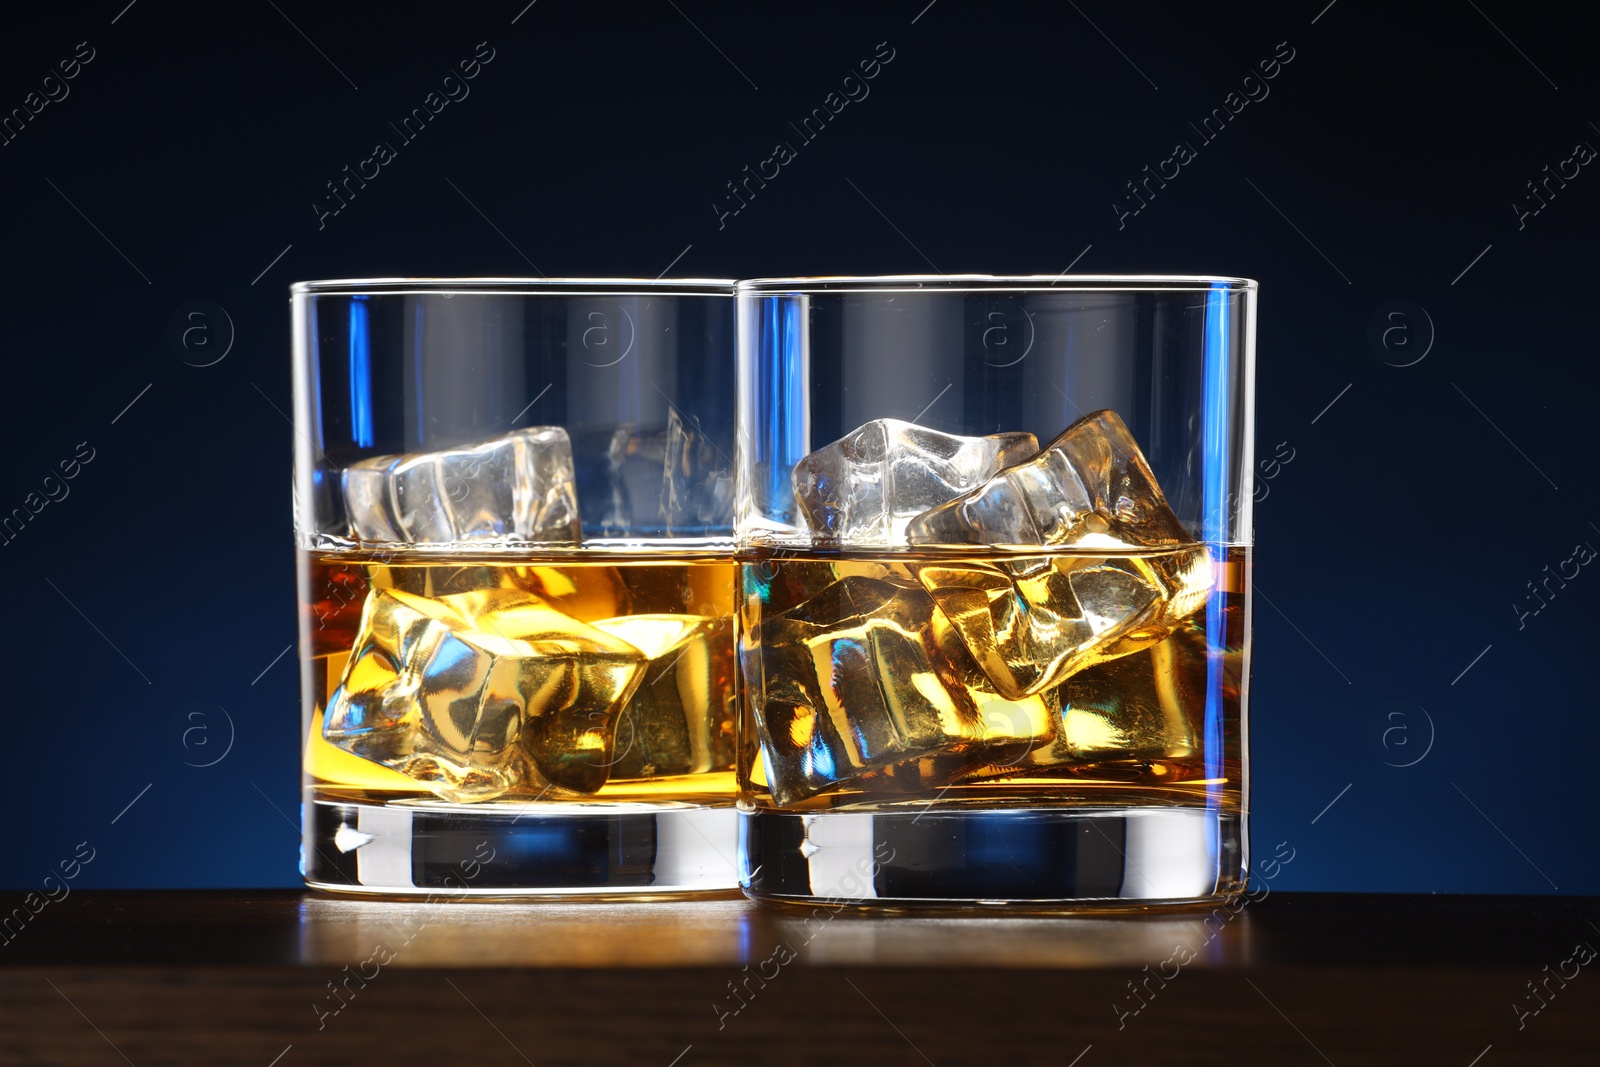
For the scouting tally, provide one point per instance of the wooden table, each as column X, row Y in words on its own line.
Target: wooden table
column 288, row 978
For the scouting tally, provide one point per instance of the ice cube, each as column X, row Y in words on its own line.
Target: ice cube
column 516, row 487
column 674, row 479
column 680, row 719
column 1091, row 488
column 1140, row 707
column 1117, row 719
column 1122, row 715
column 1015, row 731
column 865, row 487
column 1032, row 621
column 854, row 680
column 696, row 478
column 483, row 693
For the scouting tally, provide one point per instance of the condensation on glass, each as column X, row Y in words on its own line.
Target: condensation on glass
column 513, row 517
column 994, row 588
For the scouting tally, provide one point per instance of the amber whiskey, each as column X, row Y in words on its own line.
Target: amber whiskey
column 491, row 682
column 926, row 680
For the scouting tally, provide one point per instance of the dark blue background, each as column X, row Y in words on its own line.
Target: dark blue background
column 1385, row 159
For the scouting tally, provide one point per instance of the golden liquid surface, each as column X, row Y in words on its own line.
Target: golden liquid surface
column 491, row 682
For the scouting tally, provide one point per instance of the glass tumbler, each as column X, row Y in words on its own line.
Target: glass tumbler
column 994, row 589
column 514, row 522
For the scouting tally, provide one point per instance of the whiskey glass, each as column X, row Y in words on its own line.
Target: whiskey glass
column 994, row 589
column 513, row 519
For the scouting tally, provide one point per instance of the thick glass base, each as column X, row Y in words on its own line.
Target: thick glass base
column 448, row 851
column 1052, row 857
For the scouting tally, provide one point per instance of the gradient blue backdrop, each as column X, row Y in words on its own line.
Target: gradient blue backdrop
column 183, row 161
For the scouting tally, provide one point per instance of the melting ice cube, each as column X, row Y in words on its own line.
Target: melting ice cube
column 1032, row 621
column 675, row 479
column 855, row 680
column 483, row 693
column 1091, row 488
column 517, row 487
column 680, row 718
column 865, row 487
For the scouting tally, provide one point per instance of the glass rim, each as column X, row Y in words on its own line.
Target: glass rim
column 956, row 283
column 514, row 286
